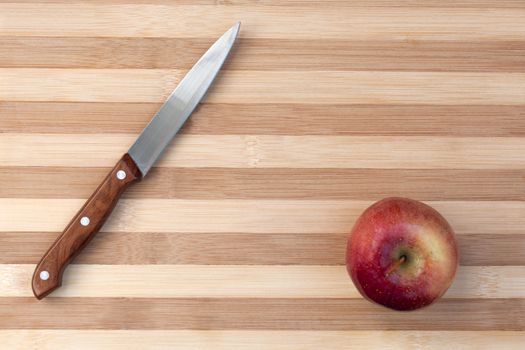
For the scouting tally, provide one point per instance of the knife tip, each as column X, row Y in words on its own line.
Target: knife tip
column 237, row 26
column 233, row 31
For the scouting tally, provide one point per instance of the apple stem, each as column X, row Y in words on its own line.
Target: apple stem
column 395, row 265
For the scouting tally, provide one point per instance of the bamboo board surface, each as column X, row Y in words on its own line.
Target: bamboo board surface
column 237, row 238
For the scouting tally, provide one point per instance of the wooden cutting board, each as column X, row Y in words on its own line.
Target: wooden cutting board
column 237, row 239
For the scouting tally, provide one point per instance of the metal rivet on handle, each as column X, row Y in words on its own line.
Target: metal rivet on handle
column 84, row 221
column 44, row 275
column 121, row 174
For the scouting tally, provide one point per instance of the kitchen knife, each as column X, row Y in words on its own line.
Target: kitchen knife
column 133, row 166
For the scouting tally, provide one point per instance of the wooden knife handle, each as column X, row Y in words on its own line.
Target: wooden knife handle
column 83, row 227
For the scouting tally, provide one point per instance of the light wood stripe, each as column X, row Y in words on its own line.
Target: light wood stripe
column 267, row 119
column 303, row 3
column 276, row 340
column 136, row 248
column 214, row 281
column 278, row 183
column 328, row 87
column 266, row 151
column 256, row 314
column 190, row 281
column 247, row 216
column 262, row 21
column 259, row 54
column 88, row 85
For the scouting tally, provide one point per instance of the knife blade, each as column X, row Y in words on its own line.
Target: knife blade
column 133, row 166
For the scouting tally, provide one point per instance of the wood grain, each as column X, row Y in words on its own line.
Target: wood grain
column 266, row 119
column 329, row 87
column 286, row 183
column 275, row 339
column 258, row 54
column 136, row 248
column 255, row 281
column 242, row 339
column 262, row 21
column 256, row 314
column 301, row 3
column 237, row 239
column 248, row 216
column 272, row 151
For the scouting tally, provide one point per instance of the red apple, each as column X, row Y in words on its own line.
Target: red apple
column 402, row 254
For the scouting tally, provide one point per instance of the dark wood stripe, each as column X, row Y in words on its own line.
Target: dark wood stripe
column 115, row 248
column 273, row 183
column 184, row 248
column 68, row 52
column 231, row 313
column 487, row 249
column 267, row 119
column 260, row 54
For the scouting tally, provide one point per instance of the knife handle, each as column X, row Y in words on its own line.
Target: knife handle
column 84, row 226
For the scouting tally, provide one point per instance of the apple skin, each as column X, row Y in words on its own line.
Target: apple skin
column 402, row 254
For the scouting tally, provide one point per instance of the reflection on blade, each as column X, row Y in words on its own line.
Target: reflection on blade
column 181, row 103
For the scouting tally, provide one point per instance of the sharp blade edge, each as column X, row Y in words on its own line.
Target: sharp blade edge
column 158, row 134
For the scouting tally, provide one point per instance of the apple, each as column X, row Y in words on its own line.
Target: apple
column 402, row 254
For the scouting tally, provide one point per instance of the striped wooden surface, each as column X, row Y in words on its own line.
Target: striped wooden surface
column 237, row 239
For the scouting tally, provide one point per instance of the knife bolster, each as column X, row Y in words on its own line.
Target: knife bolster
column 84, row 226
